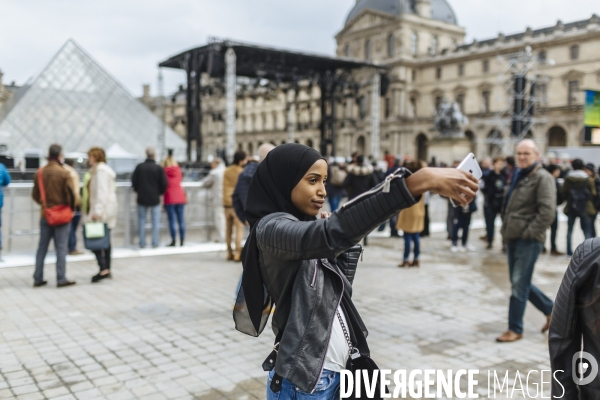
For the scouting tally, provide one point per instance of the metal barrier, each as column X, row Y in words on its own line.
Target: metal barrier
column 22, row 215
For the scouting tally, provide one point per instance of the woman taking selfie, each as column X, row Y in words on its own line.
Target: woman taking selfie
column 302, row 264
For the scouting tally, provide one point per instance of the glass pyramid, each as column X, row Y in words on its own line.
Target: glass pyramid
column 74, row 102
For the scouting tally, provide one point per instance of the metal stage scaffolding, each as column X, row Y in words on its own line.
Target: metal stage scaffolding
column 228, row 60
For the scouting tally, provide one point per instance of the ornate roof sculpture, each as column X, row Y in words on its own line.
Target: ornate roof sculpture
column 76, row 103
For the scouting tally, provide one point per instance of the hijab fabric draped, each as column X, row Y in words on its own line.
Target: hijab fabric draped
column 270, row 192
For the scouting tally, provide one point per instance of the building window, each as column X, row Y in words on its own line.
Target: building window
column 461, row 69
column 485, row 100
column 413, row 106
column 388, row 107
column 438, row 101
column 362, row 106
column 368, row 50
column 390, row 45
column 486, row 66
column 414, row 43
column 574, row 52
column 414, row 75
column 253, row 127
column 541, row 92
column 542, row 56
column 460, row 100
column 434, row 46
column 573, row 91
column 347, row 50
column 438, row 73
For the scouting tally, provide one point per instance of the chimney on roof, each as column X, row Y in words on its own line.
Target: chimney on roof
column 423, row 8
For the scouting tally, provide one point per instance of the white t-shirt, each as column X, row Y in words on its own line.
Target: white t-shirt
column 338, row 351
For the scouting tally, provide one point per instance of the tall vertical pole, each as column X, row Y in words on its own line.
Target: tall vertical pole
column 230, row 87
column 161, row 114
column 375, row 114
column 291, row 117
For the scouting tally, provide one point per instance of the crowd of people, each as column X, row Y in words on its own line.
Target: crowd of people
column 280, row 196
column 65, row 202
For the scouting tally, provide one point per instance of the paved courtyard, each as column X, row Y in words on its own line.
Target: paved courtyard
column 162, row 328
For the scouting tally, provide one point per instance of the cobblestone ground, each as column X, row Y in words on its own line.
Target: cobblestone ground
column 162, row 328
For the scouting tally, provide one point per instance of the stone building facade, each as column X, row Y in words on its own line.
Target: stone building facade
column 423, row 46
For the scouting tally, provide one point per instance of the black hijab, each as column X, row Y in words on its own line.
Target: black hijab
column 270, row 192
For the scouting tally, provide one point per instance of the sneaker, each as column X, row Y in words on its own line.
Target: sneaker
column 454, row 249
column 470, row 248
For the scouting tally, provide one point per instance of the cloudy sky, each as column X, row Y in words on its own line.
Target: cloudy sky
column 130, row 37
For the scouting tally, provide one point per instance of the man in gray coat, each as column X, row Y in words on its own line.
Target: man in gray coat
column 529, row 209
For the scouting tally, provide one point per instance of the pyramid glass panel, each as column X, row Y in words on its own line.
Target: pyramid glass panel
column 76, row 103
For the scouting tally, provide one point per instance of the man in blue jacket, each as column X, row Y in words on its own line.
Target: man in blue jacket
column 4, row 181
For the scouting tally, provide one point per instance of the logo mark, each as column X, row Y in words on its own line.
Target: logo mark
column 585, row 368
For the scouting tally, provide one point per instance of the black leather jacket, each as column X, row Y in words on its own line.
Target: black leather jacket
column 574, row 317
column 307, row 292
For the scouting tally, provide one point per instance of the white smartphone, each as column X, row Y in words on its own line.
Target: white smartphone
column 469, row 164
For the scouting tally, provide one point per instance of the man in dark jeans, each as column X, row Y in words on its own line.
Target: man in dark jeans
column 493, row 191
column 529, row 209
column 59, row 190
column 555, row 171
column 69, row 165
column 149, row 182
column 578, row 191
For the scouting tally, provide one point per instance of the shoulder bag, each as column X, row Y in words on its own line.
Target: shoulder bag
column 96, row 236
column 55, row 216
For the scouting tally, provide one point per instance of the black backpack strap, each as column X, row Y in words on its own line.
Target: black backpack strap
column 269, row 364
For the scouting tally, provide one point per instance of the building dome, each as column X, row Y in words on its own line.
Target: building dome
column 440, row 9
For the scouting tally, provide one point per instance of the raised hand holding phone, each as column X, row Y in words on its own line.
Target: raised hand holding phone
column 470, row 165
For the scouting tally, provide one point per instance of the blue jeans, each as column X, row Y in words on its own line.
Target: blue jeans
column 334, row 202
column 142, row 212
column 461, row 221
column 60, row 234
column 73, row 231
column 586, row 226
column 522, row 255
column 176, row 211
column 408, row 238
column 328, row 388
column 490, row 219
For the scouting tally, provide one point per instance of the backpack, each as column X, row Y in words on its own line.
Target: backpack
column 338, row 176
column 579, row 197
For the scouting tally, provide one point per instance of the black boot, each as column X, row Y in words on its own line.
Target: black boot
column 182, row 242
column 172, row 243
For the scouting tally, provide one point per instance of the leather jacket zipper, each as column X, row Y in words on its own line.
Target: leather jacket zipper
column 314, row 278
column 382, row 186
column 330, row 326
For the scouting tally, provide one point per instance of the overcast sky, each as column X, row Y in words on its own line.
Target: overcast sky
column 130, row 37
